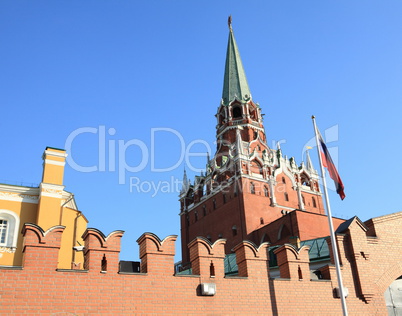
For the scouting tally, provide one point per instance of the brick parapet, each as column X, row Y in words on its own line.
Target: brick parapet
column 207, row 259
column 41, row 248
column 293, row 263
column 157, row 256
column 45, row 291
column 252, row 261
column 101, row 253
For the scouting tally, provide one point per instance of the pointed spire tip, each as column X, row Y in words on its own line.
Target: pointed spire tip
column 230, row 22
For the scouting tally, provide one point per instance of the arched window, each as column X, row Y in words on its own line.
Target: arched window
column 286, row 196
column 261, row 221
column 305, row 179
column 221, row 118
column 314, row 202
column 283, row 232
column 214, row 203
column 252, row 188
column 3, row 231
column 256, row 168
column 9, row 225
column 283, row 180
column 266, row 192
column 224, row 198
column 234, row 230
column 304, row 201
column 265, row 238
column 196, row 216
column 204, row 210
column 237, row 112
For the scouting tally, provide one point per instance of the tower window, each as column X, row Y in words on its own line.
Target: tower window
column 314, row 202
column 237, row 112
column 283, row 180
column 234, row 230
column 252, row 188
column 261, row 221
column 204, row 210
column 266, row 192
column 304, row 201
column 214, row 203
column 224, row 198
column 196, row 216
column 286, row 196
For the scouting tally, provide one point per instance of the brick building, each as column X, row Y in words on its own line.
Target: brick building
column 249, row 190
column 252, row 206
column 46, row 205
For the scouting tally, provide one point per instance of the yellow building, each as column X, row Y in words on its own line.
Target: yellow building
column 46, row 206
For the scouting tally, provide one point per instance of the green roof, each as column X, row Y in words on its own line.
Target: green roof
column 318, row 248
column 318, row 251
column 235, row 84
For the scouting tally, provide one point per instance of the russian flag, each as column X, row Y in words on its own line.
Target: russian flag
column 329, row 164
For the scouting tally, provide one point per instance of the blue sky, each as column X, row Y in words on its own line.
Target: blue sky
column 130, row 67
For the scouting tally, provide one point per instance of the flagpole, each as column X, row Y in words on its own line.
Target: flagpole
column 331, row 226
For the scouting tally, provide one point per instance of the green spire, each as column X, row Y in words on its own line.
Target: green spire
column 235, row 83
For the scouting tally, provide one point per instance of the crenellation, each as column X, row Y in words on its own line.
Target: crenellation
column 252, row 261
column 293, row 263
column 203, row 254
column 101, row 253
column 157, row 256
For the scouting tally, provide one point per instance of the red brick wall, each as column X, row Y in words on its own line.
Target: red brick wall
column 220, row 219
column 39, row 289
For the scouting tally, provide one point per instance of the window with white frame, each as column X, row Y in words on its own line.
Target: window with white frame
column 9, row 225
column 3, row 231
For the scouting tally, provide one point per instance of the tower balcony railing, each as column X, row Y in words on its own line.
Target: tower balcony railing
column 237, row 122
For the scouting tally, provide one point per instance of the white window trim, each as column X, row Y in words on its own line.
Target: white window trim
column 12, row 230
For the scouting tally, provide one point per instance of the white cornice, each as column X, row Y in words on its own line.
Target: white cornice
column 19, row 189
column 19, row 193
column 55, row 153
column 19, row 197
column 55, row 162
column 51, row 190
column 242, row 125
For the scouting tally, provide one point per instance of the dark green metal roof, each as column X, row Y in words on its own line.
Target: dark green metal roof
column 230, row 264
column 235, row 84
column 318, row 251
column 318, row 248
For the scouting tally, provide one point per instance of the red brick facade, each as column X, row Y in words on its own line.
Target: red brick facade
column 38, row 288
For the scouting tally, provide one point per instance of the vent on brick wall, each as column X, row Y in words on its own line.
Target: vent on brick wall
column 208, row 289
column 338, row 292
